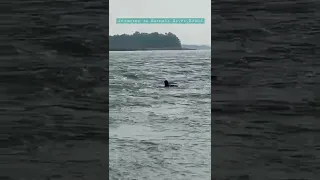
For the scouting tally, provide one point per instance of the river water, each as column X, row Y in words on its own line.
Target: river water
column 265, row 102
column 156, row 132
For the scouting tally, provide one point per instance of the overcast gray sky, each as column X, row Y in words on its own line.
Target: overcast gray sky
column 187, row 33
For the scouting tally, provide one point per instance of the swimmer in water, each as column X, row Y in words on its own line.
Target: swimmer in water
column 166, row 84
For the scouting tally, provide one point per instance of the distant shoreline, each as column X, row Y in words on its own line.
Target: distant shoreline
column 151, row 49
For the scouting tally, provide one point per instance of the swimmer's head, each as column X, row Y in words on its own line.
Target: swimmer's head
column 166, row 83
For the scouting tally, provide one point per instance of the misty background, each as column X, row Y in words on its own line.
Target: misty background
column 195, row 34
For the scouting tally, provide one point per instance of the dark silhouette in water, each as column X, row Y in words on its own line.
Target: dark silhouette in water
column 166, row 84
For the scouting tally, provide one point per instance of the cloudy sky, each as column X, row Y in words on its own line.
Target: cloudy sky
column 199, row 34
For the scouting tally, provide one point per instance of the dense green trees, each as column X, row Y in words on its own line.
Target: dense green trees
column 141, row 41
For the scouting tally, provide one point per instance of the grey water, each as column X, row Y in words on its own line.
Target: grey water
column 266, row 101
column 156, row 132
column 53, row 90
column 54, row 100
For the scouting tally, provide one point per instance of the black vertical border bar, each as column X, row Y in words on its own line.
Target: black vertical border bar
column 107, row 77
column 103, row 53
column 212, row 93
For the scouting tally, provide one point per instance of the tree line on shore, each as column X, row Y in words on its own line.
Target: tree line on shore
column 140, row 40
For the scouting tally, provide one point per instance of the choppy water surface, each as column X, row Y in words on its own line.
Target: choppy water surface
column 53, row 90
column 266, row 104
column 155, row 132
